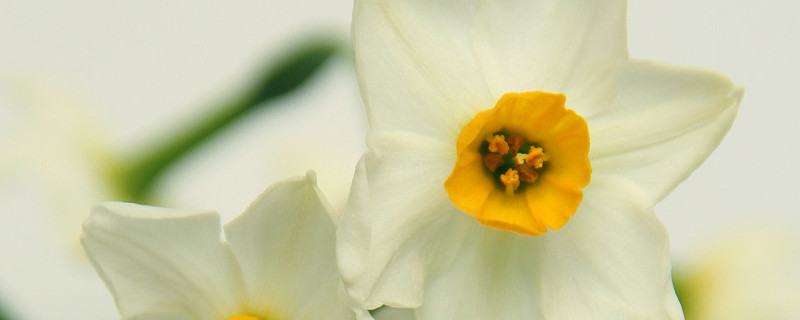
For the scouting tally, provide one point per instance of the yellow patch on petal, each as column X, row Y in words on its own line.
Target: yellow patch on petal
column 522, row 164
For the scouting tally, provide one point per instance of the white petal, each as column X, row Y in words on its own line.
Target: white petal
column 389, row 313
column 161, row 263
column 665, row 122
column 284, row 243
column 495, row 276
column 397, row 209
column 416, row 67
column 610, row 261
column 429, row 66
column 572, row 47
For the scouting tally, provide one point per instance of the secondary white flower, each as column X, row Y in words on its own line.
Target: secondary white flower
column 748, row 273
column 59, row 143
column 276, row 261
column 451, row 205
column 53, row 156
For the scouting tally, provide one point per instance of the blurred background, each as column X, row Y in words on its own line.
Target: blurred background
column 733, row 226
column 87, row 82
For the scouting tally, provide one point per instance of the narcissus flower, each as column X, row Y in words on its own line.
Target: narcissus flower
column 515, row 156
column 746, row 273
column 61, row 145
column 276, row 261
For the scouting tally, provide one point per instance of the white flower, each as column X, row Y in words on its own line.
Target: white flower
column 61, row 144
column 432, row 225
column 747, row 273
column 276, row 261
column 53, row 156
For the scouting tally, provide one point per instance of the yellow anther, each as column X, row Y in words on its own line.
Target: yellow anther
column 511, row 180
column 536, row 158
column 242, row 317
column 520, row 158
column 498, row 144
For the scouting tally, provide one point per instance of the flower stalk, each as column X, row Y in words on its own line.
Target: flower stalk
column 136, row 178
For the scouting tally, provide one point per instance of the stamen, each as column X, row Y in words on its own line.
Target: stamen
column 536, row 158
column 515, row 142
column 511, row 180
column 527, row 174
column 493, row 161
column 520, row 158
column 503, row 175
column 498, row 144
column 523, row 166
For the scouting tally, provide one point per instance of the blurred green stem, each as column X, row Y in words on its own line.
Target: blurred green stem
column 683, row 289
column 4, row 315
column 289, row 72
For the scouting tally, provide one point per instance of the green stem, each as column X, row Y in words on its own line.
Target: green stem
column 289, row 73
column 4, row 315
column 683, row 289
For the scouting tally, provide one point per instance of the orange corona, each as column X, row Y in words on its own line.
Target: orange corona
column 522, row 164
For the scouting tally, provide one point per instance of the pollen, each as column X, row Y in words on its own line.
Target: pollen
column 521, row 165
column 511, row 180
column 498, row 144
column 520, row 158
column 536, row 158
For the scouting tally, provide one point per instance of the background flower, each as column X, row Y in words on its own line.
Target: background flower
column 56, row 141
column 141, row 69
column 749, row 272
column 274, row 261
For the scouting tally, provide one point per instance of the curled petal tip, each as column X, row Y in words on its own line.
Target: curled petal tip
column 311, row 176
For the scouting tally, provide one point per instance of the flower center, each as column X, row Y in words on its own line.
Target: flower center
column 503, row 156
column 242, row 317
column 521, row 165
